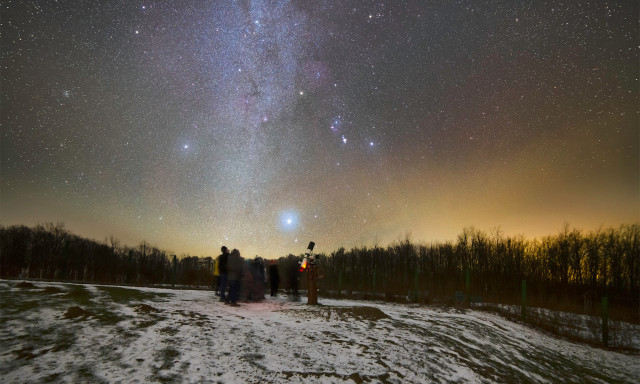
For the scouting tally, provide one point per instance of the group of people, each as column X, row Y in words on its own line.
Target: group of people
column 240, row 279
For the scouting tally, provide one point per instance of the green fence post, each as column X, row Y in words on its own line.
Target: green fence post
column 468, row 282
column 416, row 295
column 175, row 266
column 605, row 321
column 524, row 299
column 130, row 268
column 374, row 282
column 66, row 255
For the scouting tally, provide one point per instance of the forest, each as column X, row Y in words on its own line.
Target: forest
column 51, row 252
column 571, row 270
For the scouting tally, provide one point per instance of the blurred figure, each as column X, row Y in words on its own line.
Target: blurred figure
column 235, row 267
column 274, row 277
column 253, row 280
column 246, row 284
column 222, row 262
column 257, row 269
column 294, row 276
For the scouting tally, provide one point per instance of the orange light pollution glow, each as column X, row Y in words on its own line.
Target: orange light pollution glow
column 263, row 127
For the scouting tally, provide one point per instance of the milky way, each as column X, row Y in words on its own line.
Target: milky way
column 263, row 125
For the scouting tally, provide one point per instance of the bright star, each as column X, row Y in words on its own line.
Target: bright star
column 289, row 221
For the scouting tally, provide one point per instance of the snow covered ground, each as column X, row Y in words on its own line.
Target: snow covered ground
column 61, row 333
column 577, row 327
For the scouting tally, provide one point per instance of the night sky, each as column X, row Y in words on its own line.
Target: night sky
column 263, row 125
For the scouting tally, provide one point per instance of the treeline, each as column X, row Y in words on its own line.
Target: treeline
column 571, row 266
column 51, row 252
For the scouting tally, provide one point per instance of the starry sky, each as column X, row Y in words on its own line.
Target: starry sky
column 263, row 125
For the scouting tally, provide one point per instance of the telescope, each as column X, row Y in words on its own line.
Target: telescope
column 310, row 248
column 308, row 258
column 312, row 275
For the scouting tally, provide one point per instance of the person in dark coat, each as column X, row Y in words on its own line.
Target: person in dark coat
column 294, row 276
column 222, row 270
column 246, row 283
column 235, row 268
column 274, row 277
column 257, row 269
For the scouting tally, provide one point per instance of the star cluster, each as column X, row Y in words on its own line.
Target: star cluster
column 263, row 125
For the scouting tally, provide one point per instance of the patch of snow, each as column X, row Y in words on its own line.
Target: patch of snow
column 189, row 336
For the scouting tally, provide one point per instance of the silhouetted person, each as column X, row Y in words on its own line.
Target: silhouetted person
column 274, row 277
column 235, row 267
column 294, row 273
column 246, row 283
column 223, row 260
column 257, row 269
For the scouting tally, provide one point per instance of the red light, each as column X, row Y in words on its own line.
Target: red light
column 303, row 266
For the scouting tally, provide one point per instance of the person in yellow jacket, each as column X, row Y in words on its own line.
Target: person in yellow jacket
column 216, row 276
